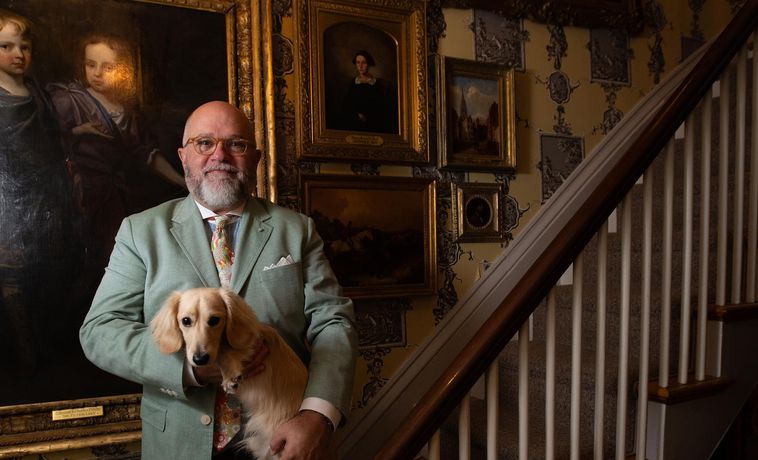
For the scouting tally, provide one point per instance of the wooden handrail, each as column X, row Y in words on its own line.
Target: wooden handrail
column 450, row 388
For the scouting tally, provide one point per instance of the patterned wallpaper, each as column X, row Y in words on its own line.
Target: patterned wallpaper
column 573, row 85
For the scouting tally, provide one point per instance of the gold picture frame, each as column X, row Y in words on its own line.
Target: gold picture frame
column 379, row 232
column 476, row 116
column 98, row 412
column 383, row 119
column 477, row 213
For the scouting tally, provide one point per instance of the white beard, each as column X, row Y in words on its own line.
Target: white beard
column 218, row 193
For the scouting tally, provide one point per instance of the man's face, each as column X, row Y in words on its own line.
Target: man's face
column 219, row 181
column 15, row 51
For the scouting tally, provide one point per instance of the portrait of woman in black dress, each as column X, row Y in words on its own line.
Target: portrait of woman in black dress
column 361, row 79
column 369, row 102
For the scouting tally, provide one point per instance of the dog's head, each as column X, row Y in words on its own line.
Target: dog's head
column 204, row 320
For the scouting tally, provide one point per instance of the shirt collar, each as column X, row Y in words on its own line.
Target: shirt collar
column 207, row 213
column 370, row 81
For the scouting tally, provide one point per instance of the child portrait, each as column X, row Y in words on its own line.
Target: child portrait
column 93, row 97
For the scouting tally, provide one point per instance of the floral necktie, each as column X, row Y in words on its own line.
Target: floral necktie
column 227, row 410
column 223, row 254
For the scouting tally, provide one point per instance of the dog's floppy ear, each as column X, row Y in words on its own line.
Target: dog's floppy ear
column 165, row 327
column 242, row 326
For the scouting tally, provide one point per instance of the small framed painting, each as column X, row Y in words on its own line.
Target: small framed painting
column 477, row 214
column 476, row 121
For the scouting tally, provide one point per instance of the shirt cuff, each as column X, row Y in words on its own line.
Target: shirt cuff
column 324, row 408
column 188, row 376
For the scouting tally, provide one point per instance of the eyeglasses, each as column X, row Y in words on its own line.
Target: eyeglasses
column 206, row 145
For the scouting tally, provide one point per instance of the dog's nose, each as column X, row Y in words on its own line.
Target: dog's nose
column 200, row 359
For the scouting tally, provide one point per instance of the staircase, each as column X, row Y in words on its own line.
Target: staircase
column 642, row 310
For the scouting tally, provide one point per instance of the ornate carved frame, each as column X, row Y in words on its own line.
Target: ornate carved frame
column 63, row 425
column 405, row 22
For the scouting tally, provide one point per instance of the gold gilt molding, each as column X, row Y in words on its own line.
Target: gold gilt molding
column 31, row 428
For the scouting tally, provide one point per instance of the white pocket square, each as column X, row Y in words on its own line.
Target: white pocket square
column 282, row 262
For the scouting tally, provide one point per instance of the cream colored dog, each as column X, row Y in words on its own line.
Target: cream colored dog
column 216, row 326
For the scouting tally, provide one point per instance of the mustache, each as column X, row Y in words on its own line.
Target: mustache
column 221, row 167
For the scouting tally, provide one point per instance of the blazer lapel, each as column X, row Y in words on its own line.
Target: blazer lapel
column 252, row 236
column 189, row 230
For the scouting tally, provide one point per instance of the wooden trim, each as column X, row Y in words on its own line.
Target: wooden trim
column 676, row 393
column 17, row 451
column 435, row 406
column 732, row 312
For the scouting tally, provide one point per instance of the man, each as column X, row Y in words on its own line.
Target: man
column 278, row 267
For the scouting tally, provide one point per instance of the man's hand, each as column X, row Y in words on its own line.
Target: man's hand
column 212, row 374
column 305, row 436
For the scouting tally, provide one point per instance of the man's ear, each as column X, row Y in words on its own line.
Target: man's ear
column 180, row 152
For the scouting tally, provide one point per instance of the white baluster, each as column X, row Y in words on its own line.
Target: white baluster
column 686, row 293
column 464, row 429
column 523, row 391
column 739, row 177
column 602, row 277
column 723, row 205
column 705, row 194
column 492, row 410
column 576, row 356
column 550, row 376
column 647, row 261
column 752, row 251
column 626, row 277
column 668, row 205
column 434, row 446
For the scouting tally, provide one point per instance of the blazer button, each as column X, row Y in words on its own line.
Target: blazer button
column 205, row 420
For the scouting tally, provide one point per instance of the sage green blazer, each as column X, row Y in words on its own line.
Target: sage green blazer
column 165, row 249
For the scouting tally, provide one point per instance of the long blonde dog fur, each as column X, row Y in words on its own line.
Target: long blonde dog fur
column 216, row 326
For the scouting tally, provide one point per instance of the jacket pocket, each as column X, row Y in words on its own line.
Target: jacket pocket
column 153, row 414
column 283, row 287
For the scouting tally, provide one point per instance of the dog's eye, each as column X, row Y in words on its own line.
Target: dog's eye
column 187, row 321
column 213, row 320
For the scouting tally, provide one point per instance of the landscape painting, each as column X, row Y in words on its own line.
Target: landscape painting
column 377, row 231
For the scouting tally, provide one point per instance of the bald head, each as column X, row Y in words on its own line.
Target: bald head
column 222, row 112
